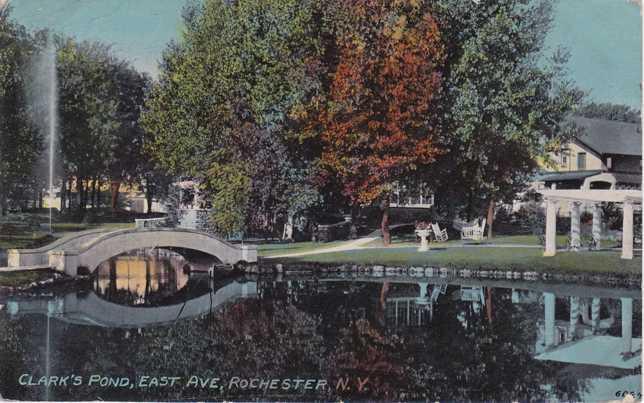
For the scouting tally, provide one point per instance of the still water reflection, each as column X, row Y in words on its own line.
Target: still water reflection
column 144, row 277
column 360, row 337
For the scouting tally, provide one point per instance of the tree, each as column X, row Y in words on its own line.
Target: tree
column 100, row 101
column 374, row 125
column 221, row 112
column 501, row 109
column 608, row 111
column 20, row 141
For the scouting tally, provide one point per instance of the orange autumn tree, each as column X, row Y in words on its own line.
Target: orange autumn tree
column 375, row 124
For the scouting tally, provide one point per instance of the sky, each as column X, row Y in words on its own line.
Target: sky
column 603, row 36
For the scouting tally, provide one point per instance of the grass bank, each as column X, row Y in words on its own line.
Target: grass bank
column 36, row 239
column 23, row 278
column 516, row 259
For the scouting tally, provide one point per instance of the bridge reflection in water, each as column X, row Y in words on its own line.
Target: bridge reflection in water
column 143, row 277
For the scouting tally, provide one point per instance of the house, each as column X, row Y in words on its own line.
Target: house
column 404, row 197
column 604, row 155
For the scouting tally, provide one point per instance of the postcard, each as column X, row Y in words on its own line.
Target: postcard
column 321, row 200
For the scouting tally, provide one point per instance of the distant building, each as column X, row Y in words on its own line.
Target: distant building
column 420, row 197
column 606, row 155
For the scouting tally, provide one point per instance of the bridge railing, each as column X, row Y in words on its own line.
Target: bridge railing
column 141, row 223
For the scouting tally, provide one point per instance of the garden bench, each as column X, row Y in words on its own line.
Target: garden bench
column 440, row 235
column 474, row 232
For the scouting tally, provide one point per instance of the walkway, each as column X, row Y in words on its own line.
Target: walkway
column 349, row 245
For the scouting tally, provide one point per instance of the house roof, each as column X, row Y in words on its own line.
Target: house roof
column 565, row 175
column 610, row 137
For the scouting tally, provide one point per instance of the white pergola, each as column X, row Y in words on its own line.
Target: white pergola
column 629, row 199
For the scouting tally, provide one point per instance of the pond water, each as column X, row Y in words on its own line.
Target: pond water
column 152, row 325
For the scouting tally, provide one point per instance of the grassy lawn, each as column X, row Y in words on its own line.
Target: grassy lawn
column 562, row 241
column 25, row 241
column 65, row 227
column 23, row 278
column 37, row 239
column 274, row 249
column 520, row 259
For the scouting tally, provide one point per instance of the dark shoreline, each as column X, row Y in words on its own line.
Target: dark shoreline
column 394, row 272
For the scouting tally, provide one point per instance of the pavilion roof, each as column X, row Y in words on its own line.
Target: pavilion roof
column 616, row 196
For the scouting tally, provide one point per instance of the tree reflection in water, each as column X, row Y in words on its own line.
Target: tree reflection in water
column 449, row 349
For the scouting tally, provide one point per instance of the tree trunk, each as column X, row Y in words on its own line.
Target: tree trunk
column 381, row 311
column 93, row 198
column 86, row 194
column 490, row 218
column 79, row 191
column 98, row 192
column 149, row 195
column 470, row 201
column 69, row 194
column 384, row 224
column 63, row 195
column 488, row 304
column 114, row 192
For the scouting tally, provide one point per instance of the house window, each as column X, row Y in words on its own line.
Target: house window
column 565, row 154
column 581, row 161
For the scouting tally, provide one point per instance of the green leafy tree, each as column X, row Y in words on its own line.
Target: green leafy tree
column 20, row 140
column 222, row 108
column 502, row 109
column 608, row 111
column 100, row 101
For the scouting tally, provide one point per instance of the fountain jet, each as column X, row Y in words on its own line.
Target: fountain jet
column 52, row 116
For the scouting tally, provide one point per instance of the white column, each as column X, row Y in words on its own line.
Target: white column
column 627, row 324
column 597, row 225
column 423, row 289
column 584, row 309
column 549, row 318
column 551, row 228
column 575, row 225
column 594, row 314
column 574, row 314
column 627, row 231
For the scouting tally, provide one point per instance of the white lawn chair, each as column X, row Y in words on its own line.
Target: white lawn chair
column 474, row 232
column 440, row 235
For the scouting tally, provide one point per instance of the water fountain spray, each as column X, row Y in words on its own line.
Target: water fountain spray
column 52, row 117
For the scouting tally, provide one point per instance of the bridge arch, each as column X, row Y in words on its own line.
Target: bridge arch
column 107, row 245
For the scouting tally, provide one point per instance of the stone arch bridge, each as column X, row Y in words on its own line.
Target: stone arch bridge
column 88, row 249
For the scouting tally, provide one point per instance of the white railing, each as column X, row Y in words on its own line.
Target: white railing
column 140, row 223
